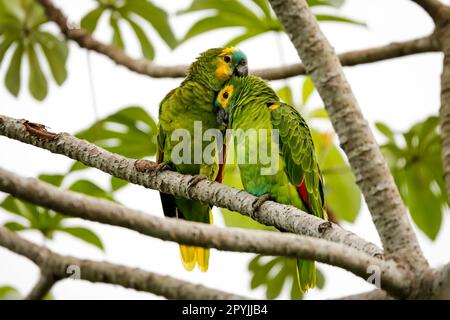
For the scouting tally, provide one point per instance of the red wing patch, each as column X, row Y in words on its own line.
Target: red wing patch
column 301, row 189
column 222, row 158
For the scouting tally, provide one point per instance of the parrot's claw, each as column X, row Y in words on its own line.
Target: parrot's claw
column 148, row 166
column 196, row 179
column 259, row 201
column 160, row 167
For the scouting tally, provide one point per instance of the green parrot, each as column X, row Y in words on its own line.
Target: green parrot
column 262, row 125
column 190, row 107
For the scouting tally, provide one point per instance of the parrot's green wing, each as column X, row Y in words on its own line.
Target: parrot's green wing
column 297, row 150
column 167, row 200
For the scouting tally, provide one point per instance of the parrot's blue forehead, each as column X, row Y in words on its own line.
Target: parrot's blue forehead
column 238, row 56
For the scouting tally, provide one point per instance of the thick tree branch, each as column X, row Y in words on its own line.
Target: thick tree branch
column 142, row 66
column 441, row 283
column 270, row 213
column 42, row 287
column 435, row 8
column 61, row 267
column 444, row 112
column 377, row 294
column 356, row 139
column 200, row 234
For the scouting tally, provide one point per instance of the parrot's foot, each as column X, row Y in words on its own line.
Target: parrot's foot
column 196, row 179
column 259, row 201
column 149, row 166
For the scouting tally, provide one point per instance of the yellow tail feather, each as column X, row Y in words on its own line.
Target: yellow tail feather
column 203, row 258
column 188, row 256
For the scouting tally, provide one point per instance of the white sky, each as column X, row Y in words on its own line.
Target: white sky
column 398, row 92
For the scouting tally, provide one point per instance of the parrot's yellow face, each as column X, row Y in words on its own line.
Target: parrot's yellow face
column 231, row 61
column 224, row 96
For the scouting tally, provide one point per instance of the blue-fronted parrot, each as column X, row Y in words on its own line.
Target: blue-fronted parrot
column 190, row 106
column 248, row 103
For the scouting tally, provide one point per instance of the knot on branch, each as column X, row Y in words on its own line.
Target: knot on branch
column 39, row 130
column 324, row 226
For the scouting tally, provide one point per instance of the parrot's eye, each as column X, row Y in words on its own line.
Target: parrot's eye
column 227, row 59
column 225, row 95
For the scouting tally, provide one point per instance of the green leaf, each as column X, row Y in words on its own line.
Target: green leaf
column 130, row 132
column 274, row 273
column 35, row 15
column 264, row 6
column 250, row 33
column 319, row 113
column 342, row 195
column 333, row 18
column 90, row 188
column 117, row 183
column 9, row 293
column 14, row 226
column 117, row 39
column 285, row 94
column 4, row 46
column 156, row 16
column 54, row 179
column 385, row 130
column 90, row 20
column 209, row 24
column 236, row 220
column 56, row 52
column 147, row 48
column 308, row 88
column 13, row 8
column 20, row 208
column 78, row 166
column 12, row 78
column 85, row 235
column 424, row 207
column 37, row 83
column 415, row 162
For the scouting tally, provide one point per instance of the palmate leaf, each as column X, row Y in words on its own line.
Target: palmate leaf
column 274, row 273
column 130, row 132
column 20, row 31
column 132, row 12
column 414, row 158
column 236, row 13
column 84, row 234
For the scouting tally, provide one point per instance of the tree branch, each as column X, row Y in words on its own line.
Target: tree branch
column 441, row 283
column 146, row 67
column 356, row 139
column 371, row 295
column 200, row 234
column 435, row 8
column 93, row 271
column 42, row 287
column 270, row 213
column 444, row 111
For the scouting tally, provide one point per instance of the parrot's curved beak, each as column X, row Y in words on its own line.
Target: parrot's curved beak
column 241, row 69
column 221, row 115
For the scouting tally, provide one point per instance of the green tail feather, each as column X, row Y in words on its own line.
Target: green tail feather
column 306, row 274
